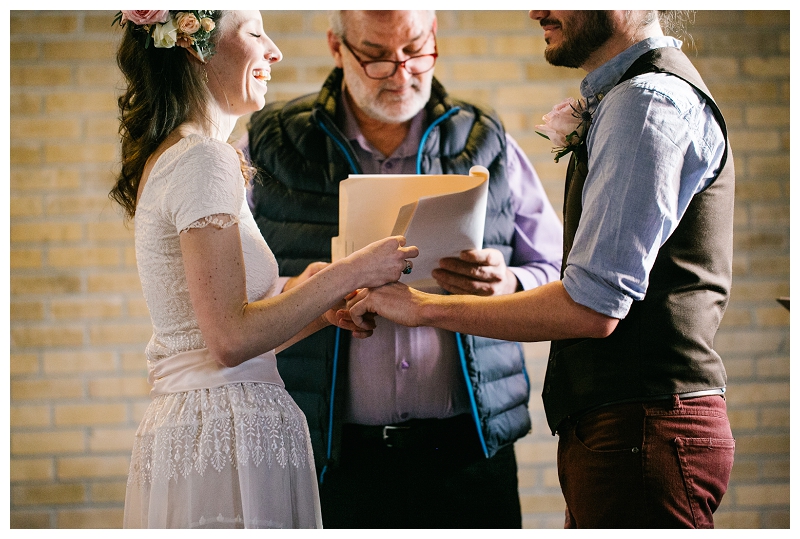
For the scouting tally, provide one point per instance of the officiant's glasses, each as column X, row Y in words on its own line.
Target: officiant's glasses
column 383, row 69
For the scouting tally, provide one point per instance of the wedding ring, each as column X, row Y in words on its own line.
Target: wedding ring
column 408, row 267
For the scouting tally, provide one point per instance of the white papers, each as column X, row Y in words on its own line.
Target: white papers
column 441, row 214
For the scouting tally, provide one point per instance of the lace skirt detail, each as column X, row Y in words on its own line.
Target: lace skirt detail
column 236, row 456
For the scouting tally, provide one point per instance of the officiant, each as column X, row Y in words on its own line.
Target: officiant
column 413, row 427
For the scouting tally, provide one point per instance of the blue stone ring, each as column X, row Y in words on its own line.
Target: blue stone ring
column 408, row 267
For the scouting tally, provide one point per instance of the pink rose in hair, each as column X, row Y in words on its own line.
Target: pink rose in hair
column 187, row 23
column 144, row 16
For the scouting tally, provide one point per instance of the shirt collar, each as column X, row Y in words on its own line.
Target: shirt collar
column 354, row 134
column 600, row 81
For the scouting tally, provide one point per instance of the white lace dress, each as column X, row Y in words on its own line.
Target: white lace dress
column 218, row 447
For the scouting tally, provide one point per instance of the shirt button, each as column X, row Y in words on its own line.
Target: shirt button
column 404, row 364
column 404, row 415
column 389, row 164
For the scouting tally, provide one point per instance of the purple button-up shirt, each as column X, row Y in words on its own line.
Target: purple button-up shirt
column 402, row 373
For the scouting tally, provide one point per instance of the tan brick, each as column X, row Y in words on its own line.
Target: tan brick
column 30, row 206
column 99, row 22
column 716, row 67
column 89, row 414
column 126, row 386
column 766, row 18
column 114, row 282
column 762, row 444
column 772, row 316
column 137, row 308
column 95, row 518
column 45, row 128
column 30, row 416
column 30, row 520
column 759, row 166
column 46, row 232
column 770, row 214
column 46, row 336
column 23, row 364
column 86, row 308
column 543, row 73
column 754, row 141
column 103, row 440
column 25, row 154
column 80, row 102
column 129, row 257
column 758, row 393
column 23, row 24
column 736, row 317
column 31, row 469
column 95, row 205
column 495, row 20
column 762, row 495
column 541, row 97
column 78, row 362
column 527, row 478
column 108, row 492
column 472, row 95
column 526, row 46
column 760, row 68
column 134, row 361
column 24, row 50
column 82, row 257
column 45, row 285
column 26, row 310
column 25, row 258
column 743, row 419
column 36, row 76
column 45, row 179
column 48, row 494
column 536, row 452
column 775, row 417
column 784, row 43
column 766, row 116
column 486, row 71
column 304, row 47
column 45, row 389
column 276, row 22
column 102, row 127
column 319, row 22
column 770, row 266
column 737, row 520
column 455, row 46
column 758, row 291
column 744, row 92
column 778, row 519
column 778, row 469
column 760, row 240
column 39, row 443
column 98, row 76
column 120, row 333
column 772, row 367
column 115, row 231
column 80, row 153
column 79, row 50
column 542, row 503
column 739, row 368
column 25, row 103
column 91, row 467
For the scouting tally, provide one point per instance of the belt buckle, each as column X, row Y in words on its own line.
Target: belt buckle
column 386, row 431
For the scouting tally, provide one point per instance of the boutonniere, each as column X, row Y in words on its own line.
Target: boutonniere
column 566, row 126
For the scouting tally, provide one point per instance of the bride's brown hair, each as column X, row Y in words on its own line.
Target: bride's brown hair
column 164, row 88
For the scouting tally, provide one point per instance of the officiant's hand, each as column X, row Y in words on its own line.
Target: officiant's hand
column 310, row 270
column 479, row 272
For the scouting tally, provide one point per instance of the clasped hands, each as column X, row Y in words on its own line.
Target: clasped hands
column 481, row 272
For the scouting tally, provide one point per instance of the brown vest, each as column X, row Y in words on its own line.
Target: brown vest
column 664, row 345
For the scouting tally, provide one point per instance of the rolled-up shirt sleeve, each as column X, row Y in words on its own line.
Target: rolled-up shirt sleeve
column 537, row 241
column 653, row 145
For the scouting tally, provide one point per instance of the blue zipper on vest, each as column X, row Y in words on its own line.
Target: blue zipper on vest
column 427, row 133
column 342, row 147
column 472, row 404
column 329, row 450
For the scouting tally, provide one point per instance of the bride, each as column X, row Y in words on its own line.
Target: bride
column 222, row 444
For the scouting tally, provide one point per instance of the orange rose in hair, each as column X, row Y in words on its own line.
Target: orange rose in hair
column 187, row 23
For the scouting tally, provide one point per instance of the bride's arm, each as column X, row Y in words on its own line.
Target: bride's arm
column 236, row 330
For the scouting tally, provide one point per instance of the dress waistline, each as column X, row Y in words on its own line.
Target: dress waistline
column 196, row 369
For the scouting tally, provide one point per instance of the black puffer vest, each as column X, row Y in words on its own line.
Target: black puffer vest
column 301, row 156
column 664, row 345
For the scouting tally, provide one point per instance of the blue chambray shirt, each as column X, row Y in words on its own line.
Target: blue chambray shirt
column 653, row 144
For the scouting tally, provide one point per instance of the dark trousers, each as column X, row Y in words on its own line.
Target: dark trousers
column 662, row 464
column 452, row 486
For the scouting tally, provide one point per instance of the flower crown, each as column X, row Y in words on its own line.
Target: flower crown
column 188, row 29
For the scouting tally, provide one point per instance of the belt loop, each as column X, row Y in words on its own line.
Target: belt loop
column 676, row 402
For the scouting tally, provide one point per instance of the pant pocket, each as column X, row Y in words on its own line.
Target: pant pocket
column 706, row 468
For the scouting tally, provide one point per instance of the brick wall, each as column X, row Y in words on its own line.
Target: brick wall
column 78, row 322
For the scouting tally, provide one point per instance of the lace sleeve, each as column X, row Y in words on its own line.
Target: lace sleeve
column 219, row 220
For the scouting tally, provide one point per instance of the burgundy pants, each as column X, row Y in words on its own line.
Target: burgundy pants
column 662, row 464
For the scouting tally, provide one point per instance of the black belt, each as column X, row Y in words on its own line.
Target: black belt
column 415, row 434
